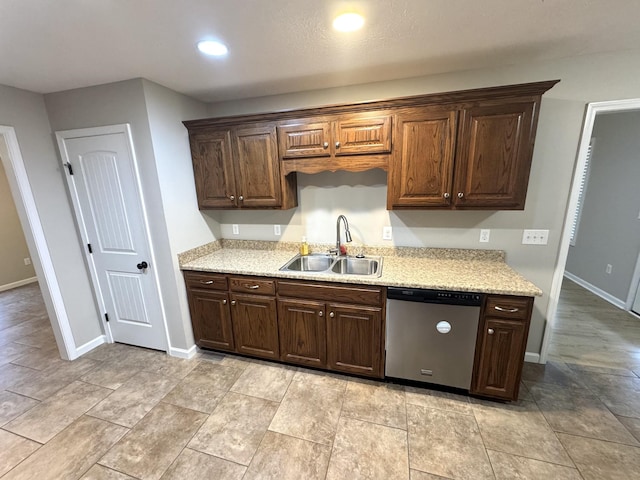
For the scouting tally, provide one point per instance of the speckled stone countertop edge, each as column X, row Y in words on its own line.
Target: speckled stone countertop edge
column 481, row 271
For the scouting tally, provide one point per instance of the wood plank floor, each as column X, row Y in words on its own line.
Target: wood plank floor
column 591, row 331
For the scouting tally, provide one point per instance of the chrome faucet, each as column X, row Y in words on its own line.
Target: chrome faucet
column 347, row 233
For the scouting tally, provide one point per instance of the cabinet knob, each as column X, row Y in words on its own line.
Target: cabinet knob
column 320, row 313
column 232, row 198
column 490, row 331
column 460, row 195
column 224, row 302
column 241, row 198
column 325, row 145
column 233, row 302
column 446, row 195
column 337, row 144
column 331, row 314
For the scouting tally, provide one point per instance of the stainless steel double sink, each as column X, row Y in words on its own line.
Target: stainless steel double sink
column 326, row 263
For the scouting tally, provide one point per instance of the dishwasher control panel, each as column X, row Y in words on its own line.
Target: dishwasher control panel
column 435, row 296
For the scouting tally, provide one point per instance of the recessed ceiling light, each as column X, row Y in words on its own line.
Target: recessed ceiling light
column 210, row 47
column 348, row 22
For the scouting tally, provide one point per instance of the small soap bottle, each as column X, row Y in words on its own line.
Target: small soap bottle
column 304, row 247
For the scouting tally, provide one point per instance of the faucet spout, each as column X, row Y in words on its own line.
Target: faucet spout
column 347, row 233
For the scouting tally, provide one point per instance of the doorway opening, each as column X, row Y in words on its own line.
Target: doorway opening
column 34, row 234
column 593, row 109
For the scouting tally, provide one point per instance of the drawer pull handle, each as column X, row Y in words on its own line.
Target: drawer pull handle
column 507, row 310
column 208, row 282
column 490, row 331
column 251, row 287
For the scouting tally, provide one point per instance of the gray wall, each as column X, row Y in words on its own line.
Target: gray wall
column 361, row 196
column 186, row 226
column 609, row 231
column 25, row 111
column 13, row 245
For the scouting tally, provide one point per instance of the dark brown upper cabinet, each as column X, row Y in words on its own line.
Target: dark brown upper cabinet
column 317, row 144
column 421, row 170
column 469, row 149
column 239, row 168
column 494, row 155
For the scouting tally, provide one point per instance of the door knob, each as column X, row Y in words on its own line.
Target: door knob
column 142, row 265
column 490, row 331
column 460, row 195
column 446, row 195
column 337, row 144
column 241, row 198
column 320, row 313
column 331, row 314
column 232, row 198
column 325, row 145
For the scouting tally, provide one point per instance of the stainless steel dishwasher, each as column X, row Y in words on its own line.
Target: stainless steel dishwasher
column 431, row 335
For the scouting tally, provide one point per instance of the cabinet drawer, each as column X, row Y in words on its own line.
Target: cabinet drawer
column 508, row 307
column 331, row 292
column 208, row 281
column 254, row 285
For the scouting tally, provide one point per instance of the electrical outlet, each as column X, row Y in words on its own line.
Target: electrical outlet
column 485, row 233
column 235, row 229
column 27, row 261
column 609, row 268
column 387, row 233
column 276, row 230
column 535, row 237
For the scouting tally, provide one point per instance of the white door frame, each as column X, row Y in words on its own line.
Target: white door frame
column 125, row 129
column 592, row 110
column 39, row 250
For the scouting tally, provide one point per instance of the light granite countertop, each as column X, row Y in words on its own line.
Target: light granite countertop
column 482, row 271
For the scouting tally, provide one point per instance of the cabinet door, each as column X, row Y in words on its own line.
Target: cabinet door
column 359, row 134
column 501, row 345
column 494, row 156
column 305, row 138
column 354, row 339
column 255, row 326
column 303, row 332
column 257, row 167
column 213, row 169
column 421, row 166
column 210, row 319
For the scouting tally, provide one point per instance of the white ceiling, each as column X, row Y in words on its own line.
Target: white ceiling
column 279, row 46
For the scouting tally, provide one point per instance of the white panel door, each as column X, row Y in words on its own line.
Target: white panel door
column 104, row 185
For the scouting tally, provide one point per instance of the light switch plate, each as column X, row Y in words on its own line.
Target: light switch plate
column 387, row 233
column 485, row 233
column 276, row 230
column 535, row 237
column 235, row 229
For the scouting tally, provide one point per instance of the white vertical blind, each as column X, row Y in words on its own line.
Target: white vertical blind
column 584, row 179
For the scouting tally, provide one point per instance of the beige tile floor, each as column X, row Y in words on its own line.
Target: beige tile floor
column 122, row 412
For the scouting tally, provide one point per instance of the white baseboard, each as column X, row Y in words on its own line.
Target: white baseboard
column 87, row 347
column 17, row 284
column 182, row 353
column 616, row 302
column 531, row 357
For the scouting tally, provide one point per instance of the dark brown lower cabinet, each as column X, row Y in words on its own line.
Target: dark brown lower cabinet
column 255, row 325
column 500, row 347
column 303, row 332
column 211, row 319
column 355, row 339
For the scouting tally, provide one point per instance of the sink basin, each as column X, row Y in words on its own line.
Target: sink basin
column 330, row 264
column 309, row 263
column 357, row 266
